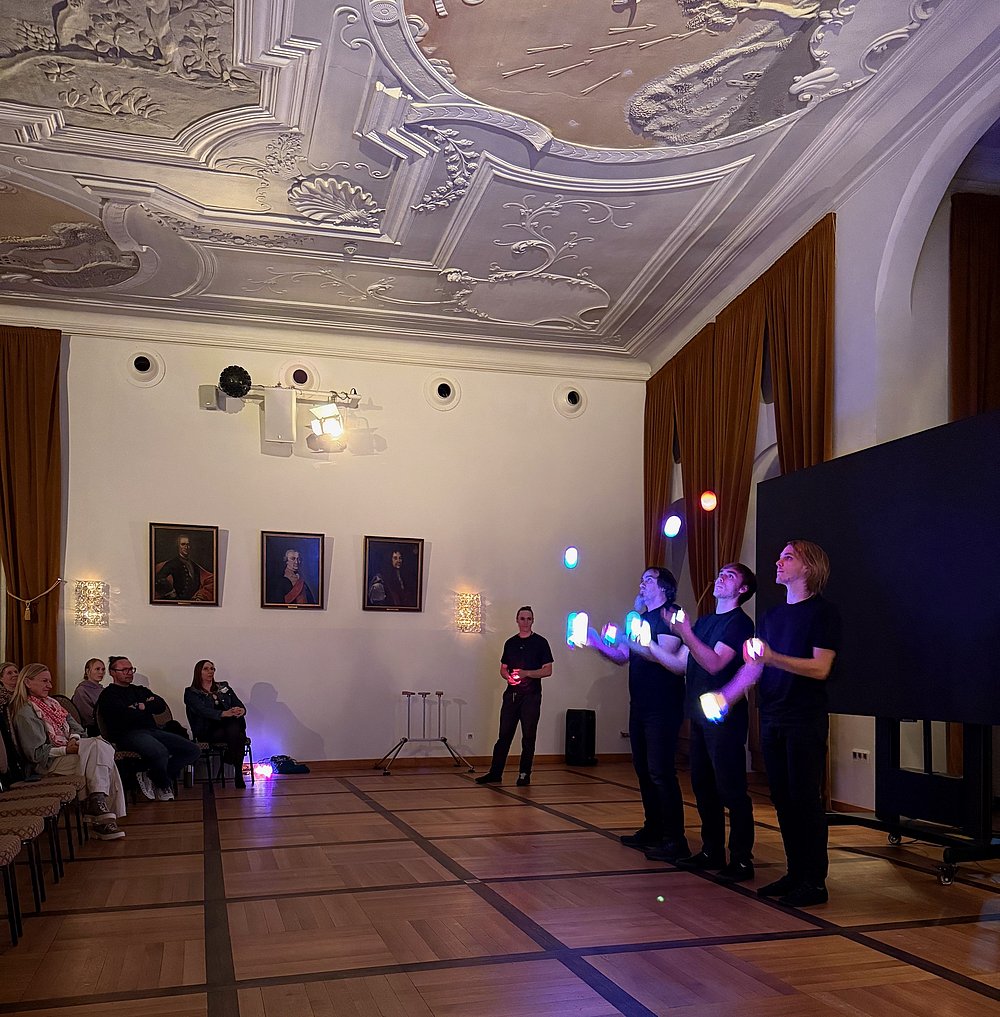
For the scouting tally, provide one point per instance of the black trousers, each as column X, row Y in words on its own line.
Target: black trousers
column 518, row 707
column 795, row 757
column 719, row 782
column 232, row 731
column 653, row 735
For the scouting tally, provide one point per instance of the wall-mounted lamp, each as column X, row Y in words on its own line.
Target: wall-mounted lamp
column 469, row 612
column 92, row 603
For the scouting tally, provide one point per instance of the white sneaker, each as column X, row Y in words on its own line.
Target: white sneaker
column 164, row 795
column 146, row 785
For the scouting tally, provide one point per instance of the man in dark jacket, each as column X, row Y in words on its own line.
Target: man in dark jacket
column 128, row 714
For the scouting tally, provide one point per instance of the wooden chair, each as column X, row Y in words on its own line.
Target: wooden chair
column 29, row 829
column 10, row 848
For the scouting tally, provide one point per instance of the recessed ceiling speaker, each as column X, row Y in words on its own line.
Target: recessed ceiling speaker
column 442, row 393
column 570, row 400
column 144, row 368
column 301, row 375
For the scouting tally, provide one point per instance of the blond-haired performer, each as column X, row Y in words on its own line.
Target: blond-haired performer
column 799, row 641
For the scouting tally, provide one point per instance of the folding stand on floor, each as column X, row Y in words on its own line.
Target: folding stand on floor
column 389, row 758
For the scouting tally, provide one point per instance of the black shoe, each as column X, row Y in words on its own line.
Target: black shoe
column 640, row 840
column 239, row 782
column 489, row 778
column 779, row 887
column 736, row 872
column 807, row 895
column 669, row 851
column 702, row 861
column 523, row 780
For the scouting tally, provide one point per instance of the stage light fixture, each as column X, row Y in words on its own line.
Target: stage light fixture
column 327, row 429
column 571, row 557
column 709, row 501
column 672, row 526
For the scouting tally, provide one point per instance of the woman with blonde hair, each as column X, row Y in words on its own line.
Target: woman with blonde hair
column 51, row 741
column 87, row 692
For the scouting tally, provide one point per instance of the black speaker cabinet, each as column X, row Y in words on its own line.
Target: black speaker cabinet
column 581, row 735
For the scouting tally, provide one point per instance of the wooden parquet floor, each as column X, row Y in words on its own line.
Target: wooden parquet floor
column 351, row 894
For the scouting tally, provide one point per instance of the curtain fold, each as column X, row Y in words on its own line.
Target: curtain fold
column 739, row 345
column 798, row 294
column 658, row 459
column 30, row 491
column 694, row 403
column 974, row 304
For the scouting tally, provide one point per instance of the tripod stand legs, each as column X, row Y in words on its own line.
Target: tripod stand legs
column 390, row 757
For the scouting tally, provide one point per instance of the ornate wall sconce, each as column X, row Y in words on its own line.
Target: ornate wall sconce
column 92, row 603
column 469, row 612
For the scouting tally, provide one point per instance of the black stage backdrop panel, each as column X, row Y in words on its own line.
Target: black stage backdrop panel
column 912, row 528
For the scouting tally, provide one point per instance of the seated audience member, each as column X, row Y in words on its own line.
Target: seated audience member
column 51, row 741
column 87, row 693
column 216, row 714
column 11, row 770
column 129, row 713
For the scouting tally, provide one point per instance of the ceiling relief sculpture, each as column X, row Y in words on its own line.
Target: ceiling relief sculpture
column 631, row 73
column 465, row 172
column 71, row 254
column 138, row 66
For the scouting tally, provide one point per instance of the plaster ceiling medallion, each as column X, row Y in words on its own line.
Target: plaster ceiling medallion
column 336, row 202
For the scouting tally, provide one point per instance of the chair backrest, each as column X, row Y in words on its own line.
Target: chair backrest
column 70, row 707
column 162, row 719
column 102, row 724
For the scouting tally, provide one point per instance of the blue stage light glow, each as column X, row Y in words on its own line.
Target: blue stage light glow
column 571, row 557
column 672, row 526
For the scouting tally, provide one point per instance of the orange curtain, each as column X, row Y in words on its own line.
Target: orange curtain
column 658, row 459
column 974, row 304
column 798, row 294
column 694, row 402
column 30, row 490
column 739, row 346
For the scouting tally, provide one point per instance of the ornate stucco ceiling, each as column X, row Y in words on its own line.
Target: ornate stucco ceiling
column 566, row 175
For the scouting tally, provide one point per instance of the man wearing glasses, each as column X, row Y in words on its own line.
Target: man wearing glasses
column 128, row 714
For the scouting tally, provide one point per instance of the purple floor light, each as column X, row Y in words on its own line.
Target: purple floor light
column 576, row 628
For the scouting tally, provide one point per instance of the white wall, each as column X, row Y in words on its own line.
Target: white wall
column 497, row 487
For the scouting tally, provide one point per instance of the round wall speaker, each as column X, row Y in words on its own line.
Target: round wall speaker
column 301, row 375
column 570, row 400
column 144, row 368
column 442, row 393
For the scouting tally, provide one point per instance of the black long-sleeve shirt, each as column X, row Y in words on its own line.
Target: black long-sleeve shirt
column 118, row 706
